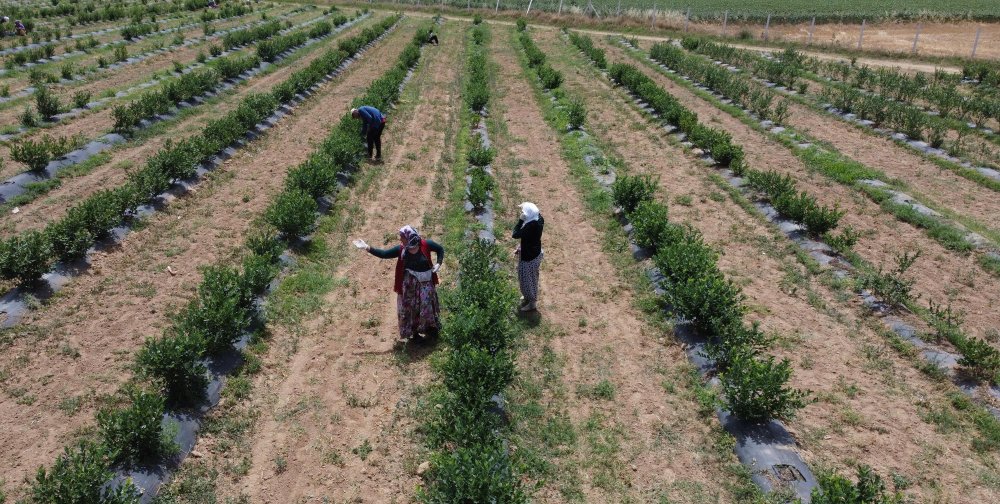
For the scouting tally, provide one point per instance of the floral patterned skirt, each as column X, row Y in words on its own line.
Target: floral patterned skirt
column 417, row 308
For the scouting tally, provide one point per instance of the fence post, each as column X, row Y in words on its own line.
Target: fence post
column 725, row 18
column 653, row 22
column 687, row 18
column 560, row 7
column 812, row 26
column 861, row 37
column 498, row 7
column 975, row 44
column 916, row 38
column 767, row 26
column 529, row 7
column 618, row 11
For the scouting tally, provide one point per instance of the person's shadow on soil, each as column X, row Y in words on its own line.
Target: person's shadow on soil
column 417, row 348
column 531, row 319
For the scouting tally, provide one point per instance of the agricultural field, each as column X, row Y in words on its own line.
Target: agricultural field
column 770, row 269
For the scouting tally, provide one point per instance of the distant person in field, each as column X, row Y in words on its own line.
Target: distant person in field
column 432, row 37
column 529, row 229
column 19, row 28
column 372, row 124
column 416, row 276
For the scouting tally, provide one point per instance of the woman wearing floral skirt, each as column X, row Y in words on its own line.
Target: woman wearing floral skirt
column 416, row 276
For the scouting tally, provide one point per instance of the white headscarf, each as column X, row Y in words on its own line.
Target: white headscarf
column 529, row 212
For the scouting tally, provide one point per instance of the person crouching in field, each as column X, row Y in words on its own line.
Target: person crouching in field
column 372, row 124
column 416, row 276
column 529, row 230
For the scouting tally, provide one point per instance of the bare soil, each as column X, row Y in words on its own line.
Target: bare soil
column 936, row 39
column 871, row 400
column 941, row 275
column 79, row 347
column 360, row 391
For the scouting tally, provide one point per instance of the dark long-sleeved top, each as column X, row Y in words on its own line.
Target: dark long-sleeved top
column 416, row 262
column 370, row 116
column 531, row 237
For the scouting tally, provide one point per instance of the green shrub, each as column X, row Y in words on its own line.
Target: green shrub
column 835, row 489
column 479, row 156
column 535, row 56
column 258, row 271
column 67, row 71
column 576, row 113
column 81, row 99
column 316, row 176
column 202, row 57
column 293, row 214
column 120, row 53
column 477, row 97
column 70, row 239
column 48, row 104
column 477, row 473
column 28, row 118
column 755, row 389
column 735, row 340
column 175, row 362
column 521, row 25
column 586, row 45
column 262, row 242
column 35, row 155
column 221, row 312
column 215, row 50
column 980, row 359
column 477, row 19
column 343, row 146
column 889, row 286
column 134, row 433
column 472, row 375
column 80, row 476
column 630, row 190
column 479, row 35
column 26, row 256
column 649, row 224
column 479, row 187
column 550, row 77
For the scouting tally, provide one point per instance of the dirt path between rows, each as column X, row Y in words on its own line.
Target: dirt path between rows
column 338, row 410
column 113, row 173
column 820, row 335
column 941, row 275
column 598, row 332
column 80, row 346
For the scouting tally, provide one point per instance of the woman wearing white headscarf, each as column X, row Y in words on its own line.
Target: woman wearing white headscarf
column 529, row 230
column 416, row 275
